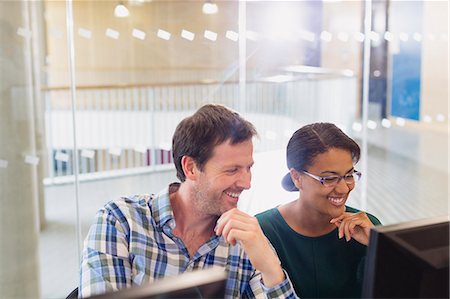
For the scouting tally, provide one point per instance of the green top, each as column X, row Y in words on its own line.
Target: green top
column 319, row 267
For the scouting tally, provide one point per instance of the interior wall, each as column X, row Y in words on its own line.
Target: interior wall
column 434, row 96
column 104, row 60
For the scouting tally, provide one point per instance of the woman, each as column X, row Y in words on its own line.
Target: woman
column 320, row 241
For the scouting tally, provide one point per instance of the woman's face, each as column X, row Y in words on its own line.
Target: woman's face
column 327, row 200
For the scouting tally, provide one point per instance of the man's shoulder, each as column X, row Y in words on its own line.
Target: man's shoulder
column 138, row 200
column 129, row 206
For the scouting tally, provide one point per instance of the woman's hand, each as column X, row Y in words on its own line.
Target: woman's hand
column 356, row 226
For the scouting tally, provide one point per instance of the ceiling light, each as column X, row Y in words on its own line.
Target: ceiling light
column 343, row 36
column 121, row 11
column 371, row 124
column 357, row 127
column 440, row 117
column 187, row 35
column 404, row 36
column 231, row 35
column 359, row 36
column 139, row 34
column 112, row 33
column 386, row 123
column 209, row 8
column 326, row 36
column 417, row 36
column 400, row 122
column 163, row 34
column 388, row 36
column 427, row 119
column 212, row 36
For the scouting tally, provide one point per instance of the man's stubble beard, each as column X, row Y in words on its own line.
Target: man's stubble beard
column 207, row 202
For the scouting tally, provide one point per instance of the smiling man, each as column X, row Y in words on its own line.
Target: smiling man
column 193, row 224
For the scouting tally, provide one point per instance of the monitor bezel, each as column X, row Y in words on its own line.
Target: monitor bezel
column 159, row 289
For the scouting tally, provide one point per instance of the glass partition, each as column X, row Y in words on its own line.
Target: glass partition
column 91, row 92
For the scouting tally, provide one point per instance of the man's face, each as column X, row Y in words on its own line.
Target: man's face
column 225, row 175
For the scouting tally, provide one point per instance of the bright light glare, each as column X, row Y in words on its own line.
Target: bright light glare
column 112, row 33
column 307, row 35
column 84, row 33
column 400, row 122
column 326, row 36
column 140, row 149
column 359, row 36
column 279, row 78
column 115, row 151
column 427, row 119
column 139, row 34
column 165, row 145
column 357, row 127
column 252, row 35
column 374, row 36
column 417, row 36
column 403, row 36
column 371, row 124
column 348, row 73
column 343, row 36
column 231, row 35
column 210, row 8
column 386, row 123
column 163, row 34
column 388, row 36
column 212, row 36
column 440, row 117
column 187, row 35
column 121, row 11
column 281, row 23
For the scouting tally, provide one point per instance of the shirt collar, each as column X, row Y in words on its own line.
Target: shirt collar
column 162, row 211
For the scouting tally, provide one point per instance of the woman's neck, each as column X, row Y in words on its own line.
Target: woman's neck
column 306, row 220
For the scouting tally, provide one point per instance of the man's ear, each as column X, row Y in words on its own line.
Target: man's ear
column 296, row 178
column 189, row 167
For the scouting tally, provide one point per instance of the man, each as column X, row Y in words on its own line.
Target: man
column 190, row 225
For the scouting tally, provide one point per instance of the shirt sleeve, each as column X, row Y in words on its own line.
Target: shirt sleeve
column 282, row 290
column 105, row 264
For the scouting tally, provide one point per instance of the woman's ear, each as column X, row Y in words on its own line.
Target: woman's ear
column 296, row 178
column 189, row 167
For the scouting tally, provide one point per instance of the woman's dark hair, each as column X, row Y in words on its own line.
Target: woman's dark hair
column 311, row 140
column 197, row 135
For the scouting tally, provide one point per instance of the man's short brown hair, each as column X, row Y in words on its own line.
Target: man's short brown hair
column 197, row 135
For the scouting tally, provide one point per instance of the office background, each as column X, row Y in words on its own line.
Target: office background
column 91, row 91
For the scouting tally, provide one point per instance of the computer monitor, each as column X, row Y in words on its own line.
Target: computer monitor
column 208, row 283
column 408, row 260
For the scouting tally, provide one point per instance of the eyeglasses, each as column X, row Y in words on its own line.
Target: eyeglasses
column 332, row 180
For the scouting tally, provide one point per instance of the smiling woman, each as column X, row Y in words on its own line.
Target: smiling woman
column 308, row 233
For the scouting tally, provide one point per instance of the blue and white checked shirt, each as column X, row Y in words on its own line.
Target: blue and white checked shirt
column 131, row 243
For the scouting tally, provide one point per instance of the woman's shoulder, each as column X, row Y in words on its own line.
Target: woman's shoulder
column 267, row 214
column 372, row 218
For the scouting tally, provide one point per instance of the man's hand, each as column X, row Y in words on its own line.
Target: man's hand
column 356, row 226
column 237, row 226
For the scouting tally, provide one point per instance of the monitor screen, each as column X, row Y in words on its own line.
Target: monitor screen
column 208, row 283
column 408, row 260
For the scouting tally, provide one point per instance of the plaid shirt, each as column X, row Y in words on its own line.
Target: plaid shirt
column 132, row 242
